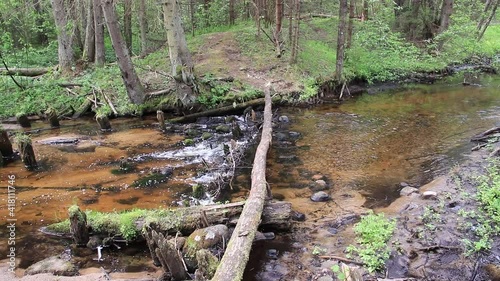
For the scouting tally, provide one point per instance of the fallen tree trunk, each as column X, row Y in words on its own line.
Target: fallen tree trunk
column 218, row 111
column 237, row 253
column 276, row 216
column 30, row 72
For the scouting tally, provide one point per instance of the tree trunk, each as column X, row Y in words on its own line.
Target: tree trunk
column 23, row 120
column 76, row 34
column 65, row 50
column 135, row 90
column 488, row 20
column 339, row 66
column 180, row 58
column 236, row 256
column 143, row 27
column 127, row 24
column 52, row 117
column 277, row 32
column 89, row 46
column 295, row 33
column 27, row 153
column 100, row 57
column 232, row 12
column 41, row 36
column 350, row 27
column 446, row 11
column 364, row 15
column 103, row 122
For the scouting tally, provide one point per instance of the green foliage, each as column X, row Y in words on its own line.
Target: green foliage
column 373, row 232
column 378, row 54
column 317, row 58
column 336, row 270
column 487, row 217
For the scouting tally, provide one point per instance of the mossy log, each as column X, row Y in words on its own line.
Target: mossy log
column 5, row 144
column 237, row 253
column 276, row 216
column 30, row 72
column 78, row 226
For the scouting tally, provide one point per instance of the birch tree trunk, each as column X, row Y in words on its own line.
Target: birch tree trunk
column 89, row 46
column 135, row 90
column 65, row 50
column 100, row 57
column 339, row 66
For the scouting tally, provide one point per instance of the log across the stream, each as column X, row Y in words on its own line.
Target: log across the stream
column 237, row 253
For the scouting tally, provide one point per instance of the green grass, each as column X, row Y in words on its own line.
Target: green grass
column 372, row 234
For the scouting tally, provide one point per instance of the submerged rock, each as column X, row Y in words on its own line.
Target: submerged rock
column 54, row 265
column 429, row 195
column 408, row 190
column 320, row 196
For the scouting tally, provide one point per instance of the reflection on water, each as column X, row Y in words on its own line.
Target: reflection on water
column 375, row 142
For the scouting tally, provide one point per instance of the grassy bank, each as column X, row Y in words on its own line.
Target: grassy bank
column 376, row 54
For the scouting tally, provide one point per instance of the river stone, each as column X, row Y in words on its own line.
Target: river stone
column 206, row 135
column 294, row 135
column 223, row 129
column 320, row 196
column 281, row 136
column 94, row 241
column 325, row 278
column 407, row 190
column 284, row 119
column 205, row 238
column 318, row 177
column 54, row 265
column 429, row 195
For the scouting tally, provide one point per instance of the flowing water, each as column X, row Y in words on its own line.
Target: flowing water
column 365, row 148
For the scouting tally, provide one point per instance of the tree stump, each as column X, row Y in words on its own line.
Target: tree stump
column 103, row 122
column 78, row 226
column 161, row 119
column 166, row 253
column 23, row 120
column 5, row 144
column 26, row 151
column 52, row 117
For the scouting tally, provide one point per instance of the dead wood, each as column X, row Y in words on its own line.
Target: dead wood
column 218, row 111
column 235, row 258
column 346, row 260
column 167, row 254
column 30, row 72
column 486, row 134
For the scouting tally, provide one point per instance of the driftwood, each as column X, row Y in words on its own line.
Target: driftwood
column 218, row 111
column 486, row 134
column 237, row 253
column 30, row 72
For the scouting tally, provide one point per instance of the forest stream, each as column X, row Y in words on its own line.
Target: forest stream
column 364, row 150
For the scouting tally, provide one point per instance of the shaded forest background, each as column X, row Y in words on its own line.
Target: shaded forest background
column 304, row 43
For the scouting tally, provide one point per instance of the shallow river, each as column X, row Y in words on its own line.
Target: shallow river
column 365, row 148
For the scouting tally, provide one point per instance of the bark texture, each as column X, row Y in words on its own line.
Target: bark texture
column 100, row 57
column 235, row 258
column 339, row 66
column 89, row 45
column 135, row 90
column 65, row 50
